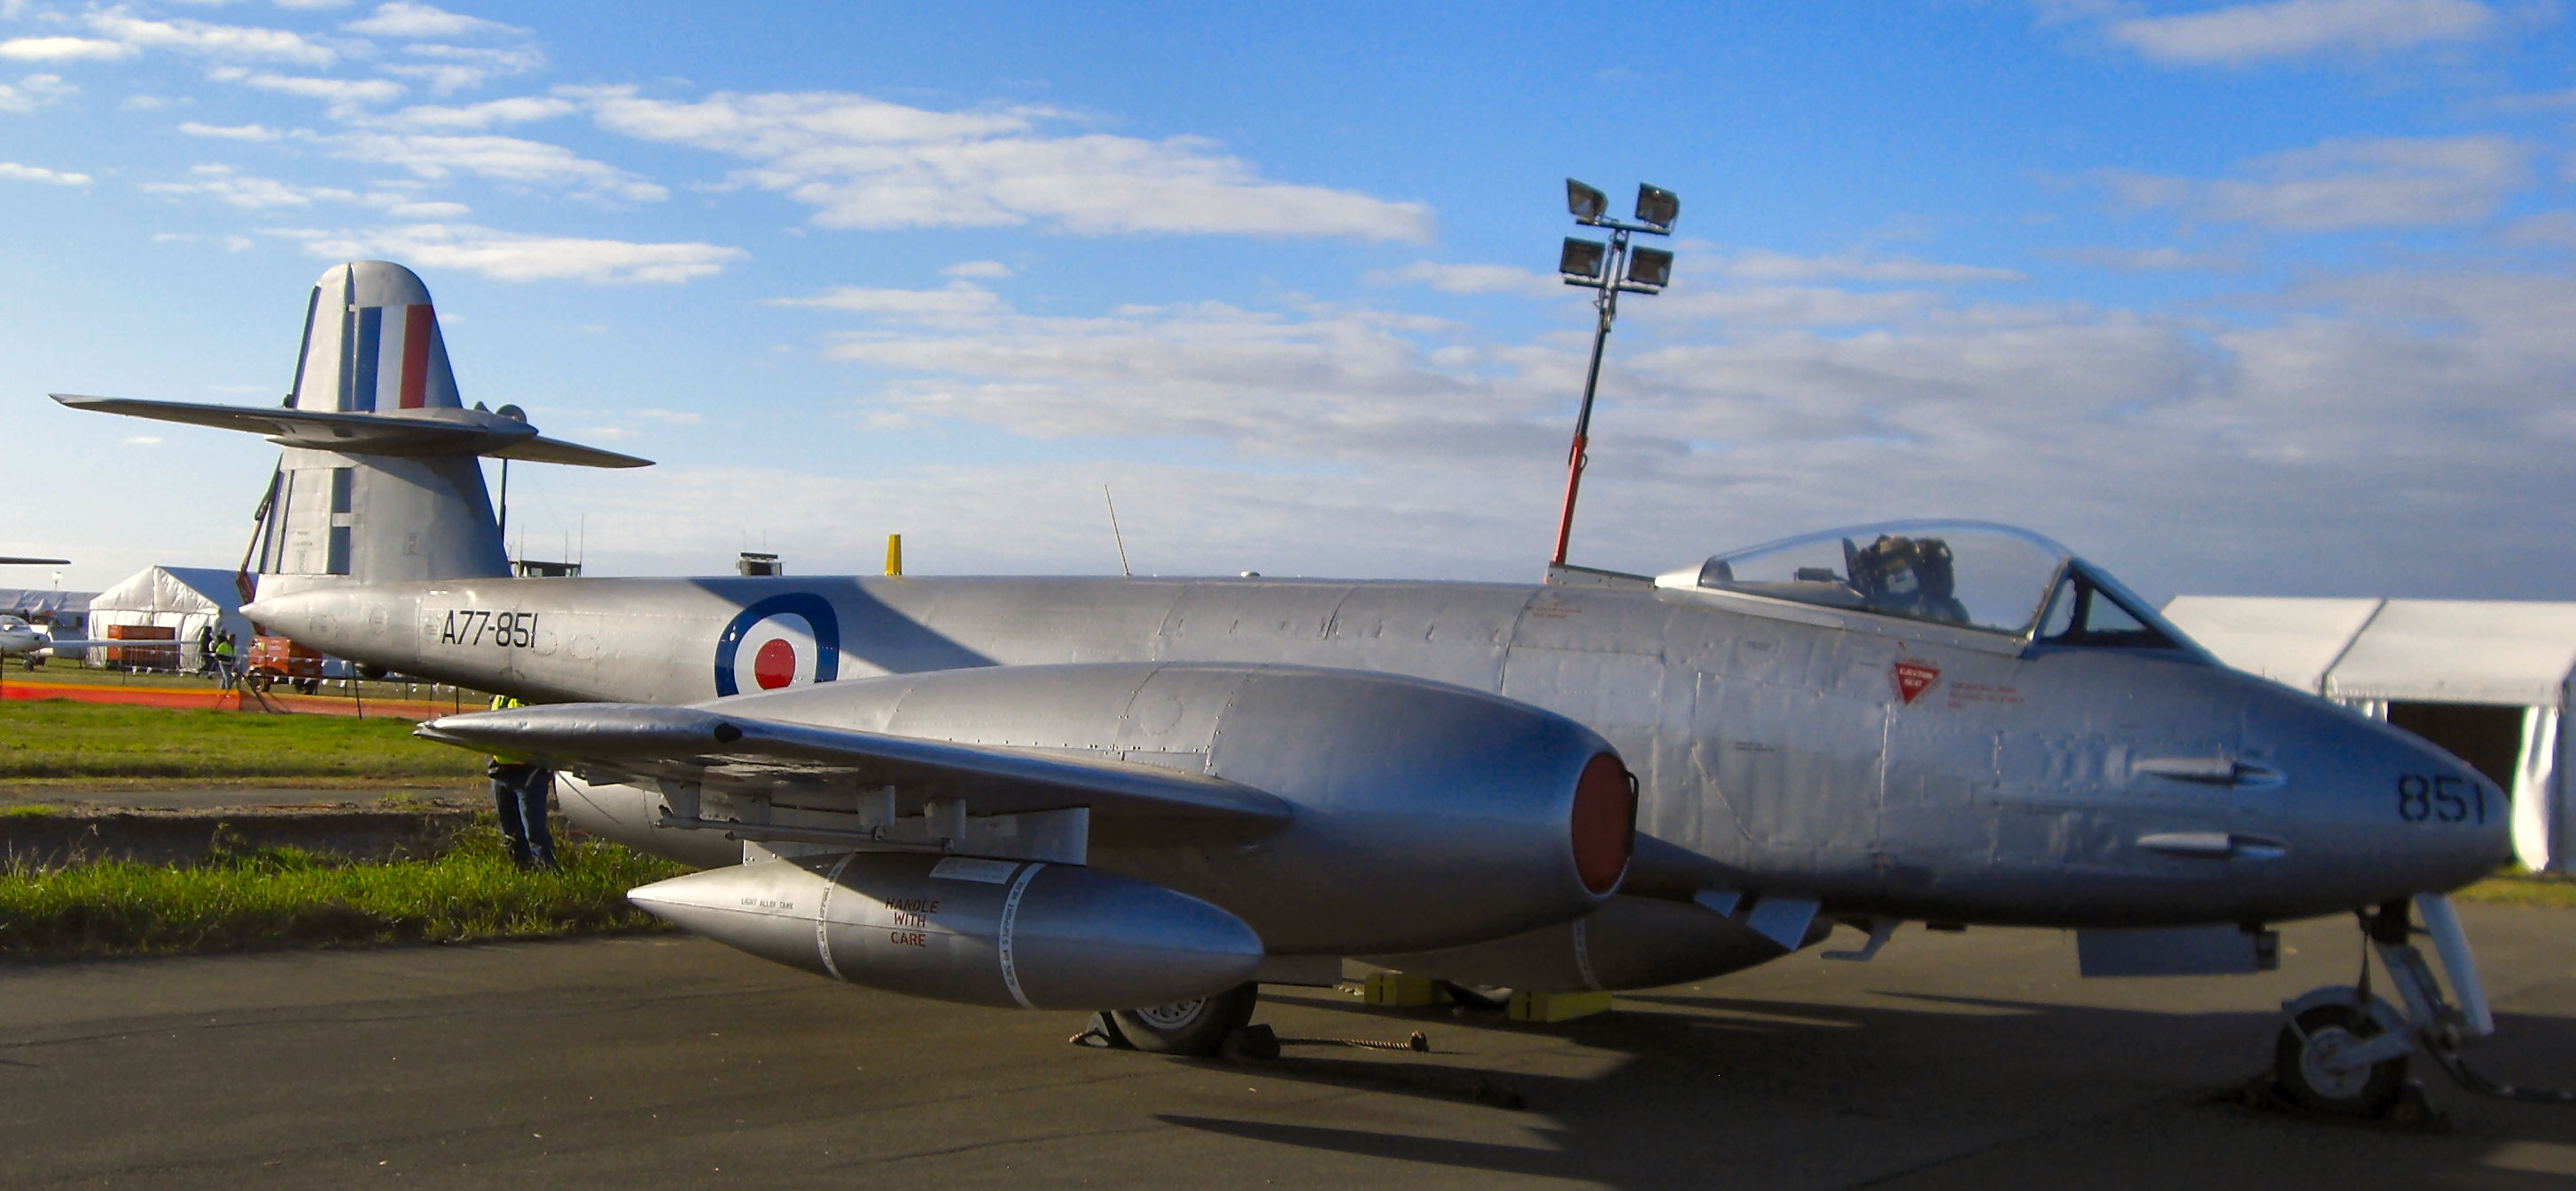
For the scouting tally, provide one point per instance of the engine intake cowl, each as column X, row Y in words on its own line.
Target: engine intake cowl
column 982, row 932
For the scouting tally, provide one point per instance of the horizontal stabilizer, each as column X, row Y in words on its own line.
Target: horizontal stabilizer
column 419, row 432
column 627, row 741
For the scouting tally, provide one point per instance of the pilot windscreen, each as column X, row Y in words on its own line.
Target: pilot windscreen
column 2083, row 614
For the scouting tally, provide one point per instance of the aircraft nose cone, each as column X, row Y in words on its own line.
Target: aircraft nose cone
column 2372, row 813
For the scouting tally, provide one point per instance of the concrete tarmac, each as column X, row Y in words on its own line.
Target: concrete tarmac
column 1950, row 1061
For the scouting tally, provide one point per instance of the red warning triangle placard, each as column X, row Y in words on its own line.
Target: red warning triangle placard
column 1913, row 678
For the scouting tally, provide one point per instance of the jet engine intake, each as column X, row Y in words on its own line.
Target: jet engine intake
column 981, row 932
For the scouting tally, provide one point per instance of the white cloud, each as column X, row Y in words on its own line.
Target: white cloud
column 219, row 41
column 508, row 256
column 230, row 132
column 865, row 163
column 979, row 270
column 2549, row 229
column 2166, row 259
column 63, row 49
column 32, row 92
column 479, row 116
column 32, row 173
column 2346, row 185
column 959, row 298
column 223, row 184
column 2371, row 418
column 2243, row 34
column 344, row 95
column 454, row 68
column 422, row 20
column 506, row 159
column 1472, row 279
column 1755, row 264
column 141, row 440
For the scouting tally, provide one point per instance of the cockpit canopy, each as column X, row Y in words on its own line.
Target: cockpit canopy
column 1972, row 574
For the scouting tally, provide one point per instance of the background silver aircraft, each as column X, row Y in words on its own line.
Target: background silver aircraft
column 1107, row 793
column 19, row 639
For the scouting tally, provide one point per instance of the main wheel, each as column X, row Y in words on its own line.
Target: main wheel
column 1196, row 1027
column 2302, row 1058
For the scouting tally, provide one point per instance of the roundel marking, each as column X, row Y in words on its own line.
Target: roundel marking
column 775, row 665
column 776, row 627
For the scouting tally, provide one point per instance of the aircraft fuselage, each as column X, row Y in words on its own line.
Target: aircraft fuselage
column 1886, row 767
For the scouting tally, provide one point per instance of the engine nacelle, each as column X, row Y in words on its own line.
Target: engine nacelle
column 1631, row 942
column 983, row 932
column 1426, row 815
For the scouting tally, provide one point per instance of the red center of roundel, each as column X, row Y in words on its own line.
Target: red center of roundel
column 1912, row 678
column 775, row 665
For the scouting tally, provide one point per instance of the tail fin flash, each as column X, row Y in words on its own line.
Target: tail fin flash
column 386, row 354
column 380, row 481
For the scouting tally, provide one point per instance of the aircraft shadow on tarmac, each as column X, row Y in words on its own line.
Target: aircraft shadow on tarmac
column 1790, row 1093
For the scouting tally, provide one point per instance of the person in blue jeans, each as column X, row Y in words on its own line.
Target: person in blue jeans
column 519, row 793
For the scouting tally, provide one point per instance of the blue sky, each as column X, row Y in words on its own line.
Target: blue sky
column 2270, row 298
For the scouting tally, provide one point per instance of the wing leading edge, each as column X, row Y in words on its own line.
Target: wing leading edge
column 629, row 741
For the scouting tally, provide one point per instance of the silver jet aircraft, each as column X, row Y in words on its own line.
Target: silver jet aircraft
column 1107, row 794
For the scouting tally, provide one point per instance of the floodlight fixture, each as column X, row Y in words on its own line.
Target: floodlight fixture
column 1608, row 270
column 1650, row 267
column 1587, row 204
column 1657, row 207
column 1582, row 259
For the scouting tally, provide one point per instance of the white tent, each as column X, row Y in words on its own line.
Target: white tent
column 186, row 599
column 2395, row 659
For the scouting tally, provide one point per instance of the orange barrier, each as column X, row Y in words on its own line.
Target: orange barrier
column 234, row 700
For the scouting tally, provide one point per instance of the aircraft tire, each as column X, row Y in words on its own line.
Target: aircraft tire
column 2298, row 1069
column 1197, row 1027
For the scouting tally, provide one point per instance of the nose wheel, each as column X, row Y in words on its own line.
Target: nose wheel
column 2344, row 1051
column 2314, row 1067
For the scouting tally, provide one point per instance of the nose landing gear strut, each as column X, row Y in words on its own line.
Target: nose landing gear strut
column 2342, row 1050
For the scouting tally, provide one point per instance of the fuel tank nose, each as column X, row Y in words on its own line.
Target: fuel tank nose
column 984, row 932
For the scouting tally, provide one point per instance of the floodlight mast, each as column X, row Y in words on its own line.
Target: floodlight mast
column 1606, row 269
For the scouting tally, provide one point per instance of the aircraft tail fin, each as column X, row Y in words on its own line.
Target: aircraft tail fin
column 381, row 479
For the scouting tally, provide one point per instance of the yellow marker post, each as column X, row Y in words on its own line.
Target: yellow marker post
column 894, row 554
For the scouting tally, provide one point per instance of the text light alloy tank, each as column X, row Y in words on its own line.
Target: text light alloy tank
column 982, row 932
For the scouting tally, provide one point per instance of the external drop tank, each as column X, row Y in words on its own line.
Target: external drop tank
column 983, row 932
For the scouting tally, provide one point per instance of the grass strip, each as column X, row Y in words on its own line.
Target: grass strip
column 2552, row 890
column 286, row 897
column 61, row 739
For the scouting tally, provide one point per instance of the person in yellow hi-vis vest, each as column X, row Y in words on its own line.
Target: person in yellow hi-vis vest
column 519, row 792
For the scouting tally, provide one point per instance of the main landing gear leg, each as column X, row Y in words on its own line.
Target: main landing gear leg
column 2342, row 1050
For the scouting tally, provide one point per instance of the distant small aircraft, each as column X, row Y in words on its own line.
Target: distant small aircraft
column 19, row 639
column 1145, row 795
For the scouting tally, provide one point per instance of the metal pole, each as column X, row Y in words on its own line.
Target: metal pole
column 1576, row 457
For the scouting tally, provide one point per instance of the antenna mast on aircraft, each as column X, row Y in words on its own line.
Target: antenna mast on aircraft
column 1609, row 268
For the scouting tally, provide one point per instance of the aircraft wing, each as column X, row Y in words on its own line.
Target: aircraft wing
column 306, row 427
column 415, row 432
column 554, row 450
column 624, row 742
